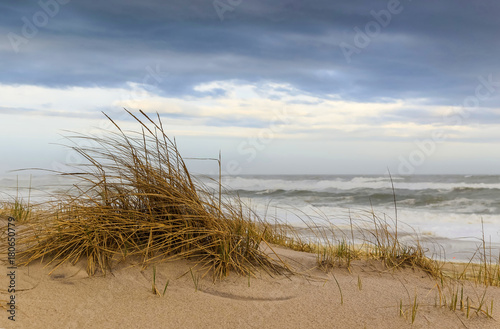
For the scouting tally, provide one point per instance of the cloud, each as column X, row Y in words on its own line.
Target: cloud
column 429, row 50
column 244, row 110
column 233, row 78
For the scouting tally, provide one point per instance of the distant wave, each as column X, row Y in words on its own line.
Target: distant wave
column 354, row 183
column 454, row 194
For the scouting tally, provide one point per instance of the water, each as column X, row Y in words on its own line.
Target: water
column 35, row 188
column 450, row 210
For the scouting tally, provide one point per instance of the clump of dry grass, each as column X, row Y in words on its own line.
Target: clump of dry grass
column 369, row 236
column 384, row 244
column 136, row 197
column 487, row 272
column 17, row 207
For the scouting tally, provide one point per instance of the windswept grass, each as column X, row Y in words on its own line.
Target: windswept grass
column 136, row 197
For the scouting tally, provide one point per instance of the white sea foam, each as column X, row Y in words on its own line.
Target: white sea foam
column 436, row 223
column 318, row 185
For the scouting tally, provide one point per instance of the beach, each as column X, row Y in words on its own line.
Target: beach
column 367, row 296
column 249, row 164
column 143, row 243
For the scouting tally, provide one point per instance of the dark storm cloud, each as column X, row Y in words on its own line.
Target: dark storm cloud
column 434, row 50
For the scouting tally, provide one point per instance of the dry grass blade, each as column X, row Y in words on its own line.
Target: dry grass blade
column 136, row 197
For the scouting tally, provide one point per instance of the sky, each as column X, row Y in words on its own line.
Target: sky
column 280, row 87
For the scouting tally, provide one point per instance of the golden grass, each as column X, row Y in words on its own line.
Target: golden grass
column 17, row 207
column 380, row 241
column 135, row 197
column 376, row 239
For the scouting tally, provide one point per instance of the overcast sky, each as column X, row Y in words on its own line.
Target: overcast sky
column 312, row 87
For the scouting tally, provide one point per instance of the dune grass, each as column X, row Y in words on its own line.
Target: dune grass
column 135, row 197
column 17, row 207
column 375, row 238
column 486, row 268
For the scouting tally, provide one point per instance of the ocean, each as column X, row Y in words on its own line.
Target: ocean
column 447, row 213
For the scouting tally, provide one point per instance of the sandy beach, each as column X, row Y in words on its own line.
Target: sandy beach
column 371, row 297
column 249, row 164
column 142, row 204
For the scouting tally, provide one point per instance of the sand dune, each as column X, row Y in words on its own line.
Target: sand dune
column 68, row 298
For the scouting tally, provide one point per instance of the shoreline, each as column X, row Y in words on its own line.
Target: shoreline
column 443, row 249
column 447, row 248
